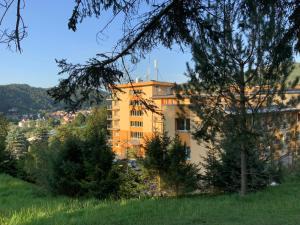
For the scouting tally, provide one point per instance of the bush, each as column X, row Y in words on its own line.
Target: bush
column 86, row 168
column 135, row 182
column 222, row 171
column 181, row 175
column 68, row 171
column 38, row 163
column 83, row 165
column 168, row 158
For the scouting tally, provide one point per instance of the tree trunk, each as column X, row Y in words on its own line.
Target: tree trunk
column 243, row 130
column 243, row 173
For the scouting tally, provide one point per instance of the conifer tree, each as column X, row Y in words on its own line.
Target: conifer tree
column 3, row 131
column 4, row 157
column 182, row 175
column 16, row 143
column 156, row 158
column 42, row 134
column 239, row 74
column 156, row 150
column 168, row 158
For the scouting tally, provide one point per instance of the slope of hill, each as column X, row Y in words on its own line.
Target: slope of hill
column 23, row 99
column 23, row 203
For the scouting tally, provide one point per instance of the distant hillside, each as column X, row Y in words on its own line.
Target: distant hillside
column 22, row 98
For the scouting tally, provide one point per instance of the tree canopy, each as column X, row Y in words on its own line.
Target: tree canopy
column 239, row 76
column 146, row 24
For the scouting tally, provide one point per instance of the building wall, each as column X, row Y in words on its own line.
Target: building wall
column 164, row 120
column 121, row 128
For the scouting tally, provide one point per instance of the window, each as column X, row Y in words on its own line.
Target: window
column 135, row 102
column 135, row 92
column 182, row 124
column 136, row 135
column 136, row 113
column 136, row 123
column 169, row 101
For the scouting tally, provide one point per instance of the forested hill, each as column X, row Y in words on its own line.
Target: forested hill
column 25, row 99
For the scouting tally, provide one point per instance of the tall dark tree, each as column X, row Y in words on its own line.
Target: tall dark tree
column 4, row 157
column 68, row 168
column 156, row 150
column 168, row 159
column 3, row 131
column 181, row 175
column 42, row 134
column 16, row 143
column 240, row 74
column 84, row 161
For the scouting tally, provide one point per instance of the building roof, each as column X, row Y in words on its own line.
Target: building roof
column 146, row 83
column 271, row 109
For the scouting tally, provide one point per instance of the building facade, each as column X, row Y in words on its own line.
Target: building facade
column 130, row 125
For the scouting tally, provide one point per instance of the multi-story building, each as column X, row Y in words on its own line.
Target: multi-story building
column 129, row 124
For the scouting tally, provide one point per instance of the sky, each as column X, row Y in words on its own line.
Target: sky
column 49, row 38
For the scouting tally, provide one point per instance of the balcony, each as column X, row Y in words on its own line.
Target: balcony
column 116, row 117
column 116, row 107
column 112, row 97
column 135, row 141
column 110, row 127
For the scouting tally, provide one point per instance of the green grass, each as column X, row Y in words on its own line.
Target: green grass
column 23, row 203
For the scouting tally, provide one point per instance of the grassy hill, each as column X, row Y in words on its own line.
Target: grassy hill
column 23, row 203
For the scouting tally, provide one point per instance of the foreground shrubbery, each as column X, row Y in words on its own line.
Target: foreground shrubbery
column 222, row 164
column 169, row 160
column 77, row 161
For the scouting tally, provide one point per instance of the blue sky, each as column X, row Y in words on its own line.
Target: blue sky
column 49, row 39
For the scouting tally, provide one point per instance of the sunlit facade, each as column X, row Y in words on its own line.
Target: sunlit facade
column 129, row 124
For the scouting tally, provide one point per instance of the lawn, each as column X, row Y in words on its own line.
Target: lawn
column 23, row 203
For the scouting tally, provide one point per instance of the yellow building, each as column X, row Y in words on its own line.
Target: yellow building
column 130, row 125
